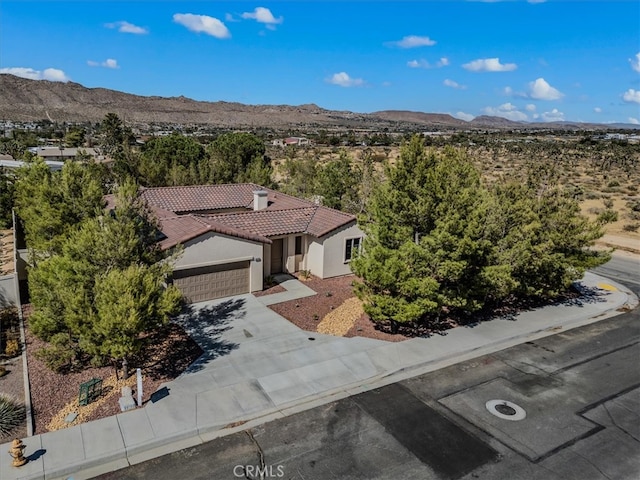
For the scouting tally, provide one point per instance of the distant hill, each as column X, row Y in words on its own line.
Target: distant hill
column 24, row 100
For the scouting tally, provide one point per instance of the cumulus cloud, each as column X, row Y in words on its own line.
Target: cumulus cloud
column 508, row 111
column 464, row 116
column 489, row 65
column 597, row 109
column 633, row 120
column 536, row 1
column 413, row 41
column 631, row 96
column 108, row 63
column 443, row 62
column 202, row 24
column 530, row 107
column 635, row 62
column 262, row 15
column 126, row 27
column 553, row 116
column 52, row 74
column 541, row 90
column 342, row 79
column 453, row 84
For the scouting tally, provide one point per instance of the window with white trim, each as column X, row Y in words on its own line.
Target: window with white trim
column 351, row 247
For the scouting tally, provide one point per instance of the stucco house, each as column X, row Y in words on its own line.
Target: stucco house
column 236, row 235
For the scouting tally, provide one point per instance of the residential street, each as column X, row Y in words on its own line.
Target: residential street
column 579, row 388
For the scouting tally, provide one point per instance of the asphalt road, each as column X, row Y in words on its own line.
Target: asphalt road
column 580, row 391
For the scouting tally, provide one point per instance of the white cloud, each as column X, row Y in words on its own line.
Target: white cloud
column 52, row 74
column 108, row 63
column 530, row 107
column 597, row 110
column 536, row 1
column 635, row 62
column 508, row 111
column 202, row 24
column 631, row 96
column 262, row 15
column 453, row 84
column 413, row 41
column 126, row 27
column 633, row 120
column 541, row 90
column 464, row 116
column 489, row 65
column 342, row 79
column 443, row 62
column 553, row 116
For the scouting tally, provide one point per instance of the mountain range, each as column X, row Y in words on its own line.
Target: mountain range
column 24, row 100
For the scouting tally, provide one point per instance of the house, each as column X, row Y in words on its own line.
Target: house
column 236, row 235
column 62, row 154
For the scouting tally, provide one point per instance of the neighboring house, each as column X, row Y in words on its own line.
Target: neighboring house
column 13, row 164
column 234, row 236
column 62, row 154
column 291, row 141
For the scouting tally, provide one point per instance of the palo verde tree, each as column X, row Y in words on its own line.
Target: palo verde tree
column 104, row 289
column 439, row 242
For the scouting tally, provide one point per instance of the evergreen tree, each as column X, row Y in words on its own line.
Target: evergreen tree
column 438, row 241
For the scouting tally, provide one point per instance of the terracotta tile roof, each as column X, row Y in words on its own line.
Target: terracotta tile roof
column 180, row 229
column 269, row 223
column 187, row 212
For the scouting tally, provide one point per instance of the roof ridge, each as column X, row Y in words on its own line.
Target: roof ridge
column 315, row 210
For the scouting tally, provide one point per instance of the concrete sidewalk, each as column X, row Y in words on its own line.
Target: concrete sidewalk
column 259, row 367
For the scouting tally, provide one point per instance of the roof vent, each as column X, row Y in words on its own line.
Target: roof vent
column 260, row 201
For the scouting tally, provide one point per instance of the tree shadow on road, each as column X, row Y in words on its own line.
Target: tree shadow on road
column 205, row 325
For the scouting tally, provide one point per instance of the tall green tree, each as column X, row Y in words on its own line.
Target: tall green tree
column 438, row 241
column 172, row 160
column 52, row 204
column 239, row 157
column 7, row 191
column 109, row 266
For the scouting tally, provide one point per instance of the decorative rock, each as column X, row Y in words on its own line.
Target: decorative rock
column 71, row 417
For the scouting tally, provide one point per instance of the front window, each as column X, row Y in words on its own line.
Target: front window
column 298, row 245
column 352, row 246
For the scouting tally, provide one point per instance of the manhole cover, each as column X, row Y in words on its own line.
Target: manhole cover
column 506, row 410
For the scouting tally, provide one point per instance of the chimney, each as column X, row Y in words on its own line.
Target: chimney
column 260, row 201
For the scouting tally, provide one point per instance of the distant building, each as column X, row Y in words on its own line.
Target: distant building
column 62, row 154
column 291, row 141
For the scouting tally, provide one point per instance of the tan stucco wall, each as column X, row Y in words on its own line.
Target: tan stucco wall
column 334, row 245
column 314, row 259
column 213, row 248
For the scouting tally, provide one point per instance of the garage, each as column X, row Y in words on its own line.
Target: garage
column 214, row 281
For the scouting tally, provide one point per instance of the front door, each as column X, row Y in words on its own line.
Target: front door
column 276, row 256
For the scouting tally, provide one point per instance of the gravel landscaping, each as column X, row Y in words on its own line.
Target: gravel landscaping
column 307, row 313
column 170, row 351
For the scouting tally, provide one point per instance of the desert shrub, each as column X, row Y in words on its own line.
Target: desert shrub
column 634, row 205
column 591, row 195
column 608, row 203
column 12, row 414
column 3, row 371
column 608, row 216
column 613, row 183
column 13, row 348
column 631, row 227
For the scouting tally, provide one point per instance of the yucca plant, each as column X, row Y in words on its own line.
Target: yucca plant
column 12, row 414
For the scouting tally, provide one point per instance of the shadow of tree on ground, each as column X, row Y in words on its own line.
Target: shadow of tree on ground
column 206, row 325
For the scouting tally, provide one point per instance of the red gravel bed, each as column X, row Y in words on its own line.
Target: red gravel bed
column 306, row 313
column 169, row 353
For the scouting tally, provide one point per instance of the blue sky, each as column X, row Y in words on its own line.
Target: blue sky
column 524, row 60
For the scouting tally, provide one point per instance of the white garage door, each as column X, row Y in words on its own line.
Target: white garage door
column 216, row 281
